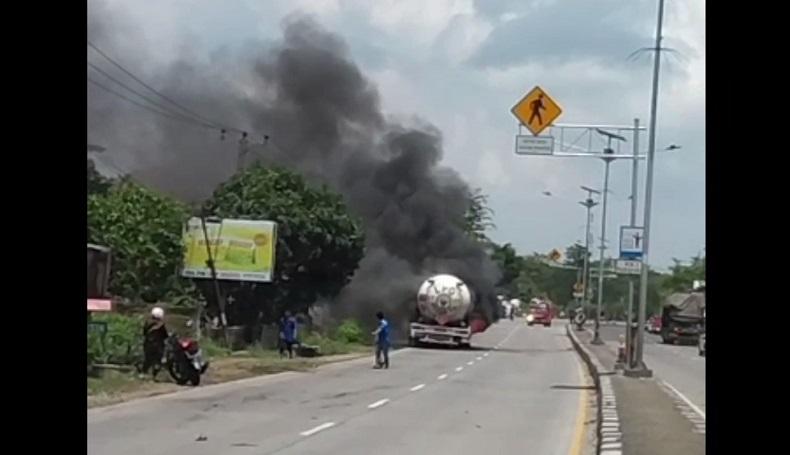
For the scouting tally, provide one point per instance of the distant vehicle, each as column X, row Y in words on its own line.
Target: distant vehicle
column 540, row 312
column 653, row 325
column 682, row 317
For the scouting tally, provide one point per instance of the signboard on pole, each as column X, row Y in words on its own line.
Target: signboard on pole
column 627, row 267
column 242, row 250
column 536, row 110
column 534, row 145
column 631, row 242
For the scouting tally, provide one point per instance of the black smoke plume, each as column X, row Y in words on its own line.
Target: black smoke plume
column 325, row 121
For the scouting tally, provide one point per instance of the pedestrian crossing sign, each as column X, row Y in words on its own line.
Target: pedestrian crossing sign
column 536, row 110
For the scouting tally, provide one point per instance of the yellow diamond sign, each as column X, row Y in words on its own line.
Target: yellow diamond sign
column 537, row 110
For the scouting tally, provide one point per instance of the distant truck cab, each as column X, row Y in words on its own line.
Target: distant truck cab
column 540, row 312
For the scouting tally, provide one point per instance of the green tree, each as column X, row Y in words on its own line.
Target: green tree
column 97, row 183
column 479, row 217
column 319, row 244
column 144, row 230
column 574, row 255
column 682, row 275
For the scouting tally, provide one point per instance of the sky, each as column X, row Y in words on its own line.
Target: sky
column 462, row 64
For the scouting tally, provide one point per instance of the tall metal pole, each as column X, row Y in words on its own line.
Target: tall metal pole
column 651, row 152
column 588, row 204
column 597, row 337
column 629, row 340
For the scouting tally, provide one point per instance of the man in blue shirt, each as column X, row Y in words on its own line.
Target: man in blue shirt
column 287, row 334
column 382, row 334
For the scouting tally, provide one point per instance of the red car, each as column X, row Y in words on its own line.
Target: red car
column 653, row 324
column 540, row 312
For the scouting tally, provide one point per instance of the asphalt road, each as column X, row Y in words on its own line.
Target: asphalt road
column 522, row 397
column 679, row 366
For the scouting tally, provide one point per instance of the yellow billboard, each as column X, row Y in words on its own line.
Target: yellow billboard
column 243, row 250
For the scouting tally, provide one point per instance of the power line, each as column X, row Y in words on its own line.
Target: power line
column 175, row 103
column 144, row 106
column 160, row 106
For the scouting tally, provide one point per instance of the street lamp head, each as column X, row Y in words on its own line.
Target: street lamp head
column 547, row 193
column 590, row 190
column 672, row 147
column 611, row 135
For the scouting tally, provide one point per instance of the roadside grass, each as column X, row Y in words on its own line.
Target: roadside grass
column 111, row 386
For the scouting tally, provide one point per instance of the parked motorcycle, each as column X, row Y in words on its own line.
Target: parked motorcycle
column 184, row 360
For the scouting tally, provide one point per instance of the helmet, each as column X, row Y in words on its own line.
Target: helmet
column 157, row 313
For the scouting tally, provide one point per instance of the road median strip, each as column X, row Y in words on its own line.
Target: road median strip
column 608, row 432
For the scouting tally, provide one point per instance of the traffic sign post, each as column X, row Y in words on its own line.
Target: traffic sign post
column 536, row 110
column 631, row 242
column 534, row 145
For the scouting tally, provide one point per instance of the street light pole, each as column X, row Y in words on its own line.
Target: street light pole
column 640, row 369
column 589, row 204
column 597, row 336
column 629, row 340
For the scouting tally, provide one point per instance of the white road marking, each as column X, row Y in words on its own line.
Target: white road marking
column 459, row 368
column 315, row 430
column 470, row 363
column 442, row 377
column 479, row 358
column 485, row 355
column 417, row 387
column 378, row 403
column 683, row 397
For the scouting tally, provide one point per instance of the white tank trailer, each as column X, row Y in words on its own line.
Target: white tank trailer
column 444, row 306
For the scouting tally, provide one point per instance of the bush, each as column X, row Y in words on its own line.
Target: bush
column 122, row 342
column 350, row 332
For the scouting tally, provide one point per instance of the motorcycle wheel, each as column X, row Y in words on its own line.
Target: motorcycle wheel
column 195, row 379
column 177, row 374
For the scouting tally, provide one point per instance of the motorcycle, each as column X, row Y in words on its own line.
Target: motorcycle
column 184, row 360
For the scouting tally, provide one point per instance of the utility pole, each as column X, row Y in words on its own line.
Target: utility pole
column 223, row 320
column 243, row 150
column 629, row 340
column 640, row 370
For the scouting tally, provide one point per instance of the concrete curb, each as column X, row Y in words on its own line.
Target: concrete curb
column 608, row 431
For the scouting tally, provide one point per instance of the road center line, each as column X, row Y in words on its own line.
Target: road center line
column 459, row 368
column 485, row 355
column 417, row 387
column 442, row 377
column 315, row 430
column 378, row 403
column 470, row 363
column 683, row 397
column 479, row 358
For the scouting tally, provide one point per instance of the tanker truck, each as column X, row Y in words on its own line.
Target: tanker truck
column 443, row 314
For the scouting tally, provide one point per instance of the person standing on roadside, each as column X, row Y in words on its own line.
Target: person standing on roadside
column 288, row 330
column 382, row 334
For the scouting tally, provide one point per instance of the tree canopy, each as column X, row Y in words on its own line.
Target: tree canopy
column 143, row 229
column 319, row 244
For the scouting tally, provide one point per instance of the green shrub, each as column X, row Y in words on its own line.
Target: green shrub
column 122, row 342
column 350, row 332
